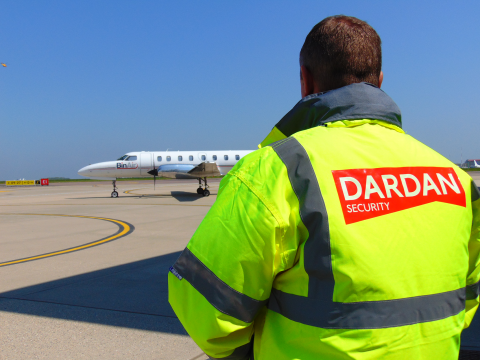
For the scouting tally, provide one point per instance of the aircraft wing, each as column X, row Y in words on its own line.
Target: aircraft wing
column 205, row 169
column 101, row 178
column 187, row 171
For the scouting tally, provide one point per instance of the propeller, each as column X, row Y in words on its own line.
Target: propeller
column 153, row 172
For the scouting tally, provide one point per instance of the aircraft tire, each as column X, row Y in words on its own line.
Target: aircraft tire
column 114, row 194
column 206, row 193
column 199, row 191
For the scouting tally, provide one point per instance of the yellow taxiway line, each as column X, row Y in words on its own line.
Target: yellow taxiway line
column 128, row 191
column 124, row 229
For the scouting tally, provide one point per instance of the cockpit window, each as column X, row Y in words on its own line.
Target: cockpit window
column 123, row 157
column 131, row 158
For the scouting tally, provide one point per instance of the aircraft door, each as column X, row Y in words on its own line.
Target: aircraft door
column 146, row 163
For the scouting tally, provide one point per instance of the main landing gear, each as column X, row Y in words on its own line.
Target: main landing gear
column 200, row 190
column 114, row 192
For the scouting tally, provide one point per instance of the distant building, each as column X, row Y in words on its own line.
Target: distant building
column 473, row 163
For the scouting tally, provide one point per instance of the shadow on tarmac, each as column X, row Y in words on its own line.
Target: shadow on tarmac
column 138, row 288
column 181, row 196
column 133, row 295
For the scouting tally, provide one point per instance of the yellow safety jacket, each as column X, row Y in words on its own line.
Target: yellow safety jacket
column 347, row 240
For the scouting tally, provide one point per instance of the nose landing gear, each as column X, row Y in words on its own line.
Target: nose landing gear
column 200, row 190
column 114, row 192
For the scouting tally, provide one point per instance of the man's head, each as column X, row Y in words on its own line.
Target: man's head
column 339, row 51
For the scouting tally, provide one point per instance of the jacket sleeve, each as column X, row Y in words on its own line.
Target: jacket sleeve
column 224, row 276
column 474, row 260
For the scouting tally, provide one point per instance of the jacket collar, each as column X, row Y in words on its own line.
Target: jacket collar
column 355, row 101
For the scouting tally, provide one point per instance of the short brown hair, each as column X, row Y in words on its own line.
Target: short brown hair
column 342, row 50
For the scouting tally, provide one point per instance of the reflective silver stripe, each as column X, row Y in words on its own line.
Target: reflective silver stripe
column 475, row 192
column 473, row 291
column 368, row 314
column 318, row 262
column 318, row 309
column 221, row 296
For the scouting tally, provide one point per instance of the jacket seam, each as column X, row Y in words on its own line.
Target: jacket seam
column 355, row 117
column 270, row 208
column 388, row 125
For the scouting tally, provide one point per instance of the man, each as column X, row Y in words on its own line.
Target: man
column 344, row 239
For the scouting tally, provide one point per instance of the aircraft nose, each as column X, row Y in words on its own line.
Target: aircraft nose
column 84, row 171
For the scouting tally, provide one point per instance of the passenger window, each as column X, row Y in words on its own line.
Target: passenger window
column 131, row 158
column 159, row 158
column 204, row 157
column 180, row 158
column 190, row 158
column 169, row 158
column 214, row 157
column 225, row 157
column 237, row 157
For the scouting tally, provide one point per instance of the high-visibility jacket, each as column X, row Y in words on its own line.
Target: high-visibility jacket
column 347, row 240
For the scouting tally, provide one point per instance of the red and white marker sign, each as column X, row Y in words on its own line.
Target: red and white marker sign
column 368, row 193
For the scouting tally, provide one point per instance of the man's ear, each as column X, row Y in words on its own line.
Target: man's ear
column 306, row 82
column 380, row 79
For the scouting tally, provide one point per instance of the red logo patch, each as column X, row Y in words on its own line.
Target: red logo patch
column 368, row 193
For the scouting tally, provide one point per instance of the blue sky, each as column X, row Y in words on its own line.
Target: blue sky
column 88, row 81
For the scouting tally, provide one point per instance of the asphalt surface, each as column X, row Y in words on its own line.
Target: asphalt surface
column 84, row 275
column 100, row 291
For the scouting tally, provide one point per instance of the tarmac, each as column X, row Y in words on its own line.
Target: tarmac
column 83, row 275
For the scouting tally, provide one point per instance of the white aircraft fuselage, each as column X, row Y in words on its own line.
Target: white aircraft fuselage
column 139, row 163
column 173, row 164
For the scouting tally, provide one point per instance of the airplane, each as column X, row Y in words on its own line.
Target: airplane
column 173, row 164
